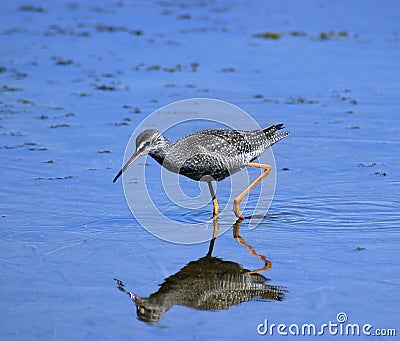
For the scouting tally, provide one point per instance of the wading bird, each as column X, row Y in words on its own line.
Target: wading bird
column 209, row 155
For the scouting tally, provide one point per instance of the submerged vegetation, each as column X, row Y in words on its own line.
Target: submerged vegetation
column 321, row 36
column 267, row 35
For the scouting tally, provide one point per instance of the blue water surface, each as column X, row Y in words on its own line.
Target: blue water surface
column 76, row 78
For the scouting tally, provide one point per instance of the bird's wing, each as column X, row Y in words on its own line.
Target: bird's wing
column 219, row 141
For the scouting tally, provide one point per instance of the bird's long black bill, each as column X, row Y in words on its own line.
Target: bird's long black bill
column 130, row 161
column 117, row 176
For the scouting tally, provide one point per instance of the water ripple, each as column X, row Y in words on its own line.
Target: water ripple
column 328, row 213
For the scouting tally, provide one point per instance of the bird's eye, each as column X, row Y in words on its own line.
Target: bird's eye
column 143, row 145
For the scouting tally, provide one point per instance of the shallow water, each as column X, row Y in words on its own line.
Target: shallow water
column 76, row 79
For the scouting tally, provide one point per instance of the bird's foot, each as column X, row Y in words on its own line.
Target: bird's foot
column 236, row 209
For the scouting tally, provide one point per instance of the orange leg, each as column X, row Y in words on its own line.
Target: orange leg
column 267, row 170
column 214, row 200
column 240, row 240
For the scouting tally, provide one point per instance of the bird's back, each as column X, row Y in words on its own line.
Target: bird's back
column 218, row 153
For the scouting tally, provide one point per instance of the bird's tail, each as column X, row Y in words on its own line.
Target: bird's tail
column 272, row 135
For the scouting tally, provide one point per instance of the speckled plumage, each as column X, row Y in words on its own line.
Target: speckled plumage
column 210, row 154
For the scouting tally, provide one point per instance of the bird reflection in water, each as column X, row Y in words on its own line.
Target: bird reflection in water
column 208, row 283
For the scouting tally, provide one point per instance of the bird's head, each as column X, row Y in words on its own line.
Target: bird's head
column 145, row 142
